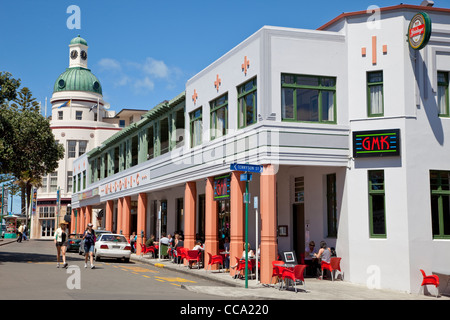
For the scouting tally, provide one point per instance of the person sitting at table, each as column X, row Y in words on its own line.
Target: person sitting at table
column 198, row 246
column 226, row 247
column 251, row 254
column 324, row 253
column 179, row 244
column 310, row 260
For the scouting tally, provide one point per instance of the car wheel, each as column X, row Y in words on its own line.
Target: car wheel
column 96, row 257
column 127, row 260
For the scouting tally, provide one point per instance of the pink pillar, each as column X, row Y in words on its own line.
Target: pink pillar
column 190, row 196
column 141, row 211
column 81, row 220
column 72, row 221
column 211, row 223
column 88, row 214
column 119, row 215
column 236, row 218
column 109, row 214
column 269, row 249
column 126, row 212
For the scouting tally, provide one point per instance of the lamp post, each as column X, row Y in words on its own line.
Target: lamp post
column 69, row 212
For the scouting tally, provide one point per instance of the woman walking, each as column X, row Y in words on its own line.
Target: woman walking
column 61, row 244
column 89, row 243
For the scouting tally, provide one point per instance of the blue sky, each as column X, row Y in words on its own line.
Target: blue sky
column 143, row 52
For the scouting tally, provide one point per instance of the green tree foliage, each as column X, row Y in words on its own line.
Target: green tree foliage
column 28, row 149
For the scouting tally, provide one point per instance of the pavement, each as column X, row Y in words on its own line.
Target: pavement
column 314, row 289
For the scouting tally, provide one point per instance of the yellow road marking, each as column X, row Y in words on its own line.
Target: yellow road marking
column 177, row 279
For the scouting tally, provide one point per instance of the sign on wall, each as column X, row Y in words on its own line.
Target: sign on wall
column 376, row 143
column 419, row 31
column 125, row 183
column 222, row 187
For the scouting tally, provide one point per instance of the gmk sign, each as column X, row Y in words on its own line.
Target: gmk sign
column 419, row 31
column 376, row 143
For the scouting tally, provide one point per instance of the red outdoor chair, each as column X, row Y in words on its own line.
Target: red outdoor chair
column 145, row 250
column 431, row 279
column 182, row 254
column 334, row 266
column 294, row 275
column 214, row 259
column 194, row 256
column 276, row 269
column 241, row 266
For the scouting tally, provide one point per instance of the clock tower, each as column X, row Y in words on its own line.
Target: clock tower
column 78, row 53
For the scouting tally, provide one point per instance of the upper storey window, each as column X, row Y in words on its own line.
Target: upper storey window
column 247, row 106
column 375, row 94
column 442, row 96
column 219, row 116
column 308, row 98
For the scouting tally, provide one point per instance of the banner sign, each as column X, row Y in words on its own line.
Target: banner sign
column 376, row 143
column 132, row 181
column 419, row 31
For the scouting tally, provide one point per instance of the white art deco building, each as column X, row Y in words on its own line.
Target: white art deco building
column 80, row 121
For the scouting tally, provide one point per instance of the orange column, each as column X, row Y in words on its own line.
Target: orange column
column 109, row 214
column 269, row 247
column 119, row 215
column 190, row 196
column 211, row 223
column 236, row 218
column 72, row 222
column 126, row 213
column 88, row 214
column 81, row 223
column 141, row 212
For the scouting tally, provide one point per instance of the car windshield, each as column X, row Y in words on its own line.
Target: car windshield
column 113, row 238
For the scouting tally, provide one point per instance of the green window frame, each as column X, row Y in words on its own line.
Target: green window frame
column 247, row 104
column 196, row 127
column 443, row 95
column 331, row 205
column 375, row 94
column 440, row 203
column 377, row 206
column 308, row 98
column 219, row 117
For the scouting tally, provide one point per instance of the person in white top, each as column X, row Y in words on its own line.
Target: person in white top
column 61, row 243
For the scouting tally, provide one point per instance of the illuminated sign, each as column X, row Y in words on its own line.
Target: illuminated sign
column 376, row 143
column 222, row 187
column 419, row 31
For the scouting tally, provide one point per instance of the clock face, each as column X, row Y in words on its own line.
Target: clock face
column 74, row 54
column 83, row 55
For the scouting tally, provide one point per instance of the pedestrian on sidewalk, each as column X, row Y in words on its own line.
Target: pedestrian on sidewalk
column 89, row 243
column 19, row 233
column 61, row 244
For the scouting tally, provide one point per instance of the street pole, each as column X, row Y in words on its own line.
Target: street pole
column 255, row 205
column 246, row 231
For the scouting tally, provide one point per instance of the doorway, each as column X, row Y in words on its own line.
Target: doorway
column 298, row 215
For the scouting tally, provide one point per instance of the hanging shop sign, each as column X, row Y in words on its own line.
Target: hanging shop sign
column 222, row 187
column 419, row 31
column 377, row 143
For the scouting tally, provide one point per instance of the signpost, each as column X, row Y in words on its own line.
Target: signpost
column 419, row 31
column 246, row 177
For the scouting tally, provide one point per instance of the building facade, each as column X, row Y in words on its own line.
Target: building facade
column 343, row 120
column 80, row 120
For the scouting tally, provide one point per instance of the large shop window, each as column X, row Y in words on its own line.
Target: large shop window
column 440, row 204
column 308, row 98
column 442, row 95
column 377, row 211
column 247, row 104
column 219, row 116
column 196, row 127
column 375, row 94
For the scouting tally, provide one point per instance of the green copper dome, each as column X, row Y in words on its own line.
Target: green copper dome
column 78, row 40
column 77, row 79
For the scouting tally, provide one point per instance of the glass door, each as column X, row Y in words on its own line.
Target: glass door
column 47, row 228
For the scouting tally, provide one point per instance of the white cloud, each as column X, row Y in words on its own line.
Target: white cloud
column 144, row 85
column 109, row 64
column 155, row 68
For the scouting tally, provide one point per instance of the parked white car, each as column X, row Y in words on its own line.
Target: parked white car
column 110, row 245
